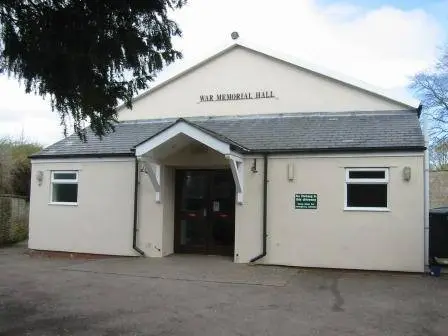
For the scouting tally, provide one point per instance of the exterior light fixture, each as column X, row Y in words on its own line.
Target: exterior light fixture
column 254, row 166
column 39, row 177
column 290, row 172
column 407, row 173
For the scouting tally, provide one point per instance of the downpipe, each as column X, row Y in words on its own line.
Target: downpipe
column 265, row 208
column 426, row 197
column 134, row 228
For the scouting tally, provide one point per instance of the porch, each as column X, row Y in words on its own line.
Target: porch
column 190, row 183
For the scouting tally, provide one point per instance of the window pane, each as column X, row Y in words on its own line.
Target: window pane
column 65, row 192
column 366, row 174
column 64, row 176
column 194, row 191
column 191, row 232
column 367, row 195
column 223, row 188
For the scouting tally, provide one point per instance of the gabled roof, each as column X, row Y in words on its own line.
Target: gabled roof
column 301, row 133
column 203, row 129
column 316, row 69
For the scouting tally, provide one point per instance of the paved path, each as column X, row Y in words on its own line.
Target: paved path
column 193, row 295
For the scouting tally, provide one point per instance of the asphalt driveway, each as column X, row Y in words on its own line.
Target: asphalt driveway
column 194, row 295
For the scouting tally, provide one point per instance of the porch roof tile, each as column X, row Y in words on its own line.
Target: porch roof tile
column 305, row 132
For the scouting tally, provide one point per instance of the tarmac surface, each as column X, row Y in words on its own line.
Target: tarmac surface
column 210, row 295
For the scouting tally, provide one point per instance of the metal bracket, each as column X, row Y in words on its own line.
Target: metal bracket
column 237, row 168
column 152, row 169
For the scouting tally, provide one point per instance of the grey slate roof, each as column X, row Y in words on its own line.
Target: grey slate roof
column 396, row 130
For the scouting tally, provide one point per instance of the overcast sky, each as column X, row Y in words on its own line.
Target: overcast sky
column 379, row 42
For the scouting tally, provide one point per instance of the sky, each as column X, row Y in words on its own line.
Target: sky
column 380, row 42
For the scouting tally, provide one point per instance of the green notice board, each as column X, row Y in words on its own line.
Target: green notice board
column 305, row 201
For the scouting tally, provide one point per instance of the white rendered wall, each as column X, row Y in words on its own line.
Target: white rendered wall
column 242, row 70
column 102, row 221
column 330, row 236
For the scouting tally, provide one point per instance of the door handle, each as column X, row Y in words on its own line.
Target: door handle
column 205, row 212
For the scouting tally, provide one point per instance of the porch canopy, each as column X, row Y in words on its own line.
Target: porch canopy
column 151, row 152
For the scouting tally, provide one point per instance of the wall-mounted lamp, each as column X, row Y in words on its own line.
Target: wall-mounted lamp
column 254, row 166
column 290, row 172
column 39, row 177
column 407, row 174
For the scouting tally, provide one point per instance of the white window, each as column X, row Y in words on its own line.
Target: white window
column 366, row 189
column 64, row 187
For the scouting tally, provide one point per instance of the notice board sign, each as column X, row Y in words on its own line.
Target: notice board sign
column 305, row 201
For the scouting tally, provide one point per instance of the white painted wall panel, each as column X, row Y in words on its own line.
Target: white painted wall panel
column 101, row 223
column 329, row 236
column 241, row 70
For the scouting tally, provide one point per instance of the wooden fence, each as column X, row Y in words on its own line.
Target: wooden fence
column 13, row 219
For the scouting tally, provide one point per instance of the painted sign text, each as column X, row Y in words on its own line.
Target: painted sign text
column 305, row 201
column 218, row 97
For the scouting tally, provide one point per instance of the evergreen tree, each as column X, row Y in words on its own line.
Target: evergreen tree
column 87, row 56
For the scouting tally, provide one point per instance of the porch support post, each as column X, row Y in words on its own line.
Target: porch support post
column 237, row 168
column 152, row 169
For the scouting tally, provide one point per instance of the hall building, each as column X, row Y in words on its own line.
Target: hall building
column 248, row 154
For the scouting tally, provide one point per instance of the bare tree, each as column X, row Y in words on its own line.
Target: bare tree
column 438, row 155
column 432, row 88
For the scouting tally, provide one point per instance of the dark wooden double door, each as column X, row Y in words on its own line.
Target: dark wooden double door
column 205, row 212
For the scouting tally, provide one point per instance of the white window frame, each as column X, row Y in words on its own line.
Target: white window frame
column 349, row 180
column 63, row 181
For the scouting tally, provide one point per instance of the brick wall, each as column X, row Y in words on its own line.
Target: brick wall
column 438, row 189
column 13, row 219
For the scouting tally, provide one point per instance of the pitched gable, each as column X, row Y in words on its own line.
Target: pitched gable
column 243, row 81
